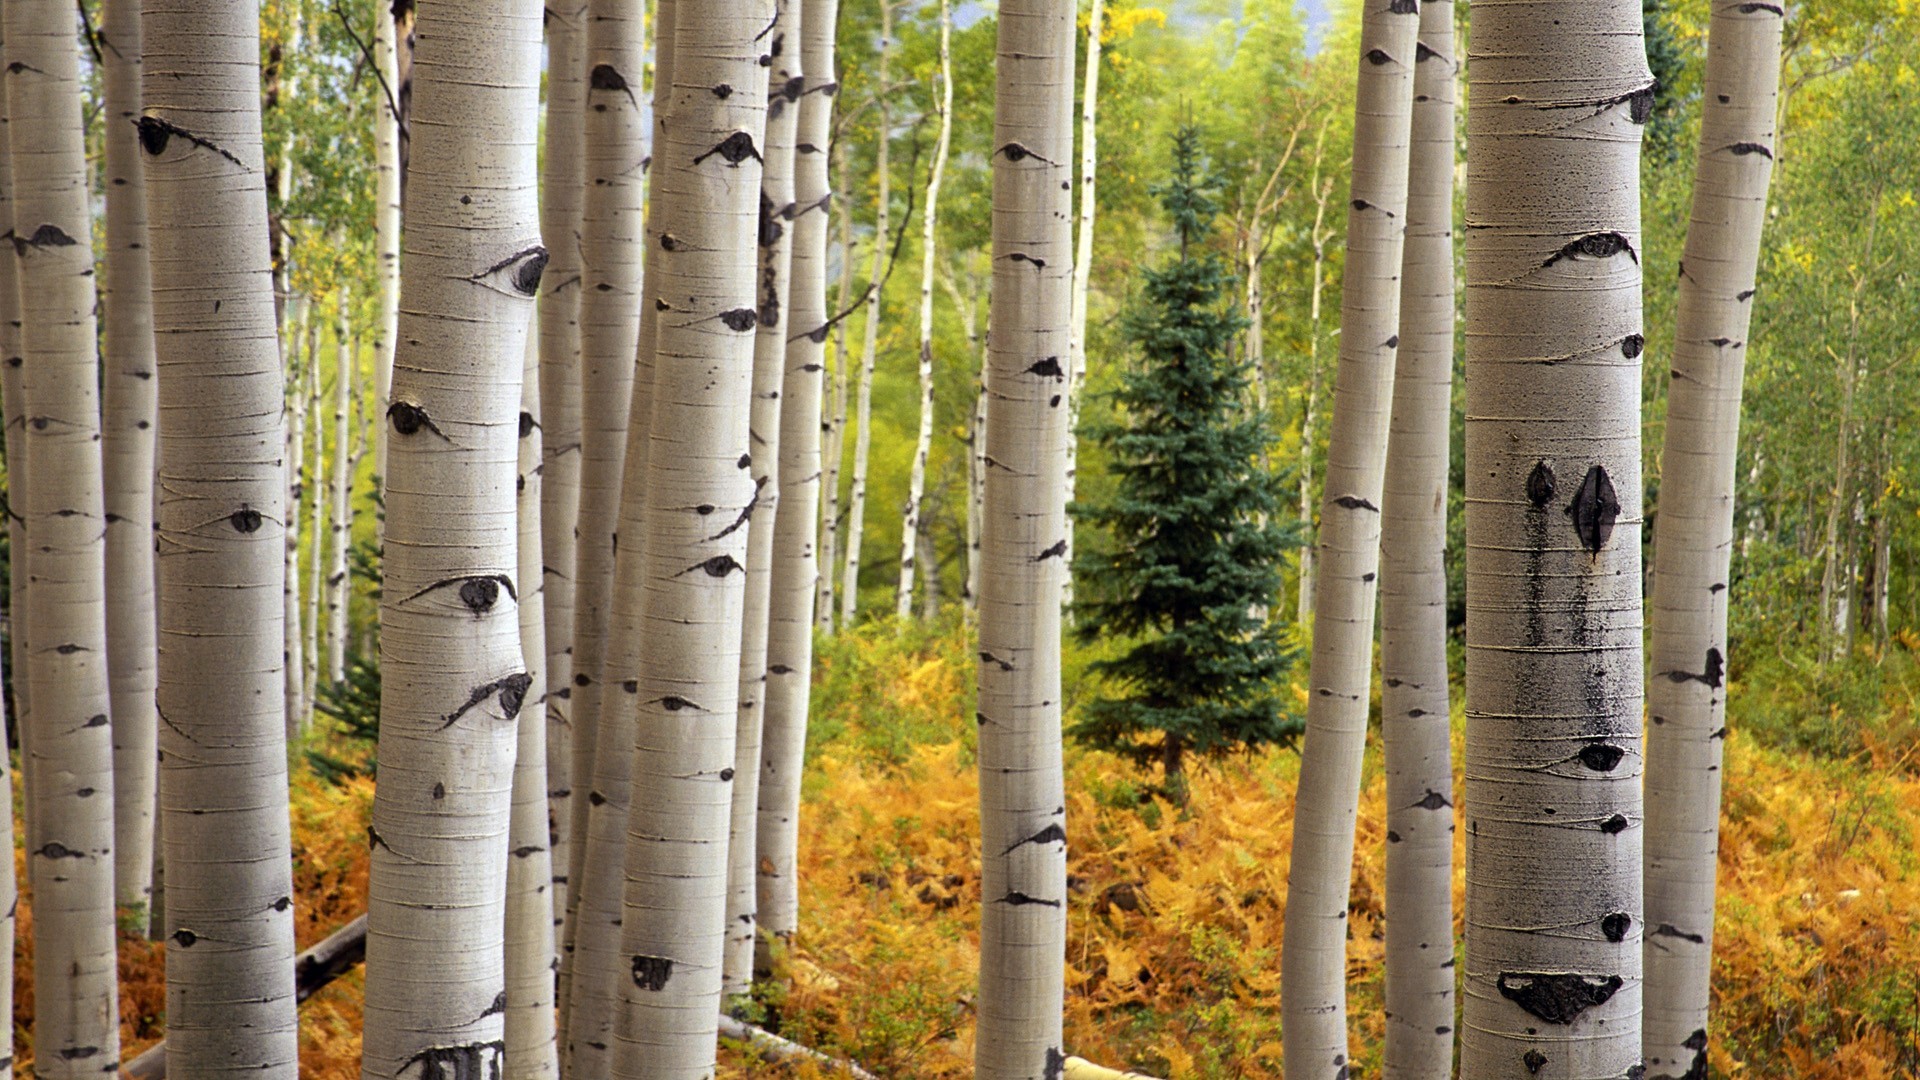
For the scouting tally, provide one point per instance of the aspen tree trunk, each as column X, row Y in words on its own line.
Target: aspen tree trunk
column 699, row 496
column 778, row 208
column 835, row 427
column 1319, row 236
column 340, row 521
column 1083, row 265
column 1023, row 923
column 797, row 567
column 452, row 677
column 294, row 650
column 976, row 493
column 870, row 340
column 1836, row 578
column 910, row 524
column 1414, row 713
column 1313, row 957
column 317, row 517
column 231, row 1009
column 127, row 458
column 612, row 252
column 69, row 771
column 1686, row 696
column 561, row 189
column 1554, row 335
column 13, row 410
column 9, row 886
column 386, row 226
column 532, row 1046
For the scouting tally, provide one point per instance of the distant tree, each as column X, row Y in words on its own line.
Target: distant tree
column 1197, row 539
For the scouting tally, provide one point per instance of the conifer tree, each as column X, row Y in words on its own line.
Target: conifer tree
column 1196, row 541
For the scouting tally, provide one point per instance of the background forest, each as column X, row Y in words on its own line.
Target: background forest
column 1176, row 902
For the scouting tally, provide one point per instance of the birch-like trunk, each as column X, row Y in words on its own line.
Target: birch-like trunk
column 1687, row 695
column 340, row 487
column 1554, row 335
column 386, row 226
column 532, row 1045
column 1313, row 957
column 1414, row 713
column 1320, row 234
column 231, row 1009
column 834, row 422
column 1023, row 850
column 317, row 517
column 785, row 84
column 699, row 497
column 1083, row 265
column 612, row 254
column 452, row 677
column 294, row 635
column 127, row 457
column 910, row 523
column 796, row 567
column 69, row 759
column 562, row 187
column 870, row 339
column 13, row 410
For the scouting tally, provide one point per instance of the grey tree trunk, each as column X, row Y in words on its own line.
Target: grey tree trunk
column 294, row 651
column 1023, row 922
column 316, row 447
column 340, row 486
column 1313, row 958
column 1083, row 264
column 834, row 424
column 69, row 760
column 1686, row 695
column 13, row 402
column 1554, row 676
column 1318, row 236
column 452, row 677
column 231, row 1009
column 127, row 457
column 1415, row 728
column 386, row 225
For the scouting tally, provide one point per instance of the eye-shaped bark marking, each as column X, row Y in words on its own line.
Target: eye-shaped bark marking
column 1742, row 149
column 1557, row 997
column 733, row 150
column 1020, row 899
column 474, row 1061
column 1432, row 800
column 1754, row 9
column 409, row 418
column 1594, row 509
column 740, row 320
column 511, row 688
column 527, row 423
column 1057, row 551
column 607, row 77
column 1052, row 834
column 1534, row 1061
column 989, row 658
column 1378, row 57
column 674, row 703
column 652, row 972
column 1048, row 368
column 1632, row 345
column 1354, row 502
column 45, row 236
column 54, row 849
column 723, row 91
column 1601, row 757
column 155, row 133
column 1018, row 152
column 717, row 567
column 1713, row 674
column 185, row 938
column 1421, row 54
column 1614, row 925
column 497, row 1008
column 1640, row 103
column 1021, row 256
column 1614, row 825
column 520, row 272
column 1600, row 245
column 1540, row 484
column 246, row 520
column 1669, row 930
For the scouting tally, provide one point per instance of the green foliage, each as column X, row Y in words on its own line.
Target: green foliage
column 1194, row 548
column 1668, row 62
column 353, row 704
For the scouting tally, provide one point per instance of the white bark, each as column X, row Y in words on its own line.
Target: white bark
column 1687, row 696
column 1414, row 714
column 69, row 766
column 340, row 519
column 14, row 434
column 223, row 485
column 870, row 340
column 1320, row 234
column 317, row 517
column 1552, row 796
column 386, row 225
column 910, row 524
column 1083, row 263
column 777, row 211
column 127, row 456
column 1024, row 554
column 834, row 424
column 699, row 494
column 294, row 651
column 452, row 677
column 797, row 567
column 1314, row 948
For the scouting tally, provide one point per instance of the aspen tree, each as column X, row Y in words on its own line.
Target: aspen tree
column 797, row 563
column 1686, row 697
column 386, row 222
column 127, row 457
column 9, row 887
column 340, row 520
column 1023, row 922
column 870, row 340
column 532, row 1048
column 1083, row 260
column 834, row 421
column 561, row 189
column 294, row 636
column 1313, row 958
column 1414, row 726
column 13, row 432
column 69, row 766
column 317, row 515
column 910, row 523
column 600, row 828
column 700, row 494
column 777, row 209
column 231, row 1008
column 452, row 676
column 1552, row 796
column 1317, row 236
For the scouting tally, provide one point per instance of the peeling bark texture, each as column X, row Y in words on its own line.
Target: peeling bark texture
column 870, row 339
column 1552, row 797
column 295, row 650
column 797, row 568
column 452, row 678
column 1313, row 958
column 340, row 486
column 69, row 753
column 561, row 189
column 911, row 525
column 1687, row 695
column 223, row 777
column 531, row 955
column 699, row 490
column 778, row 209
column 127, row 457
column 1023, row 923
column 1083, row 265
column 603, row 761
column 1414, row 725
column 386, row 226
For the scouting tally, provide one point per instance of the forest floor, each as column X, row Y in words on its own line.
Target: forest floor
column 1175, row 916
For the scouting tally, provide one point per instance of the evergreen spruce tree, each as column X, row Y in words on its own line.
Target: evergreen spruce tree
column 1194, row 538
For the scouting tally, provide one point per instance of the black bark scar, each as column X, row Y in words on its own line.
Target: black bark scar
column 155, row 133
